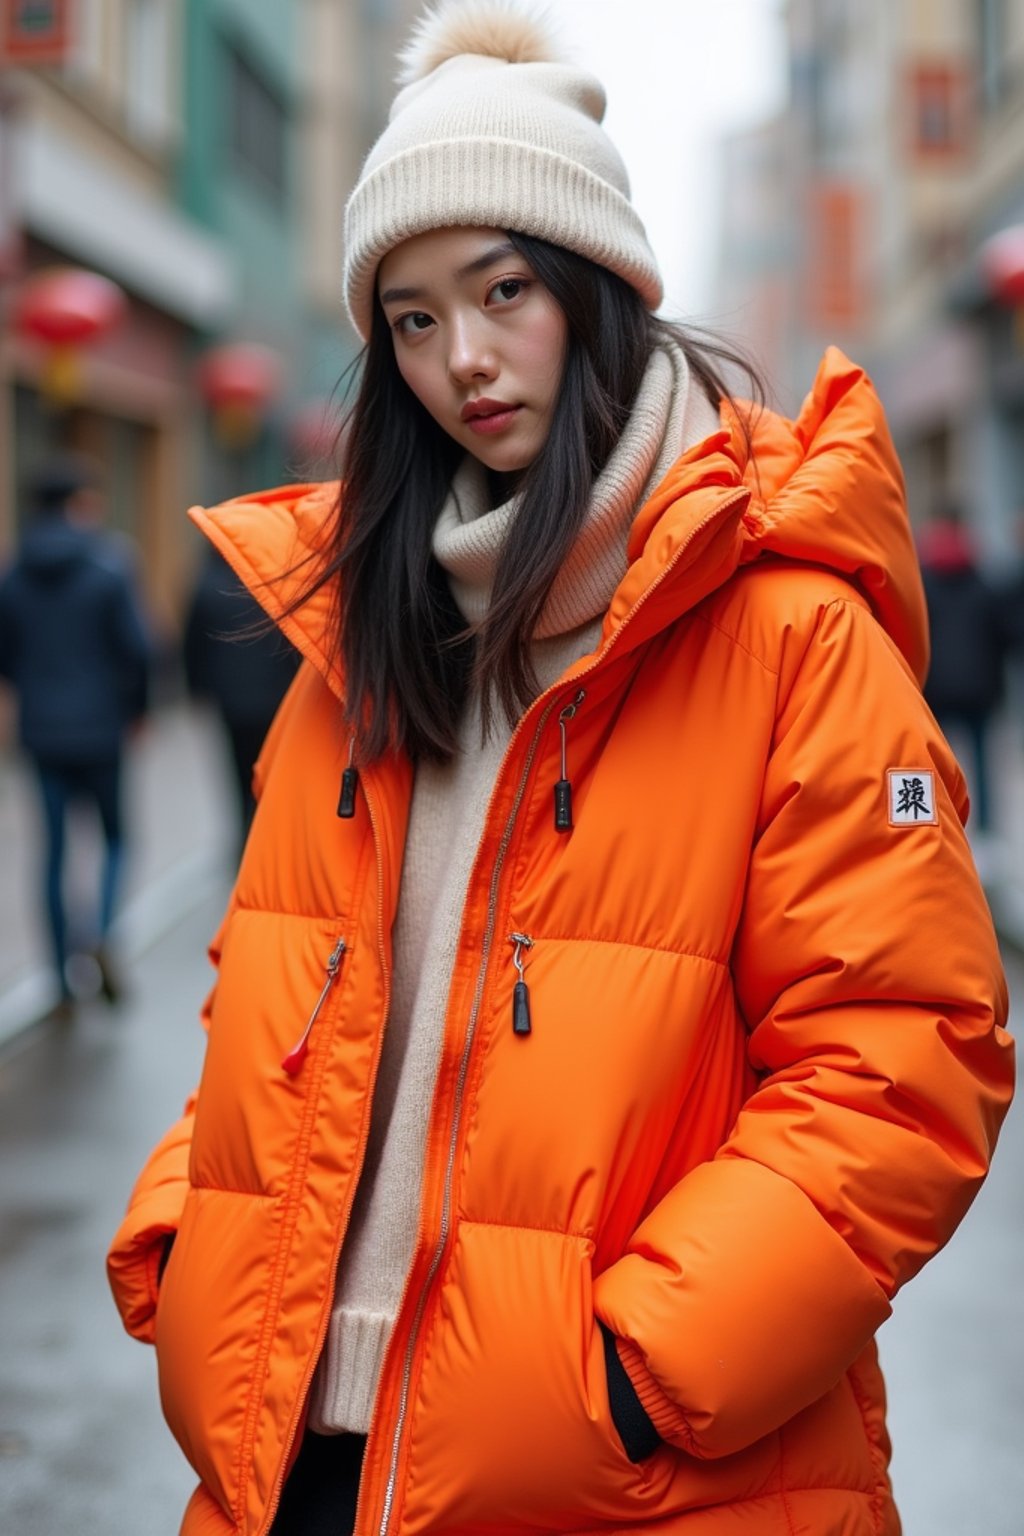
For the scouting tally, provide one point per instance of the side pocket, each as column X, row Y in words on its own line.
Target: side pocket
column 165, row 1253
column 212, row 1301
column 632, row 1422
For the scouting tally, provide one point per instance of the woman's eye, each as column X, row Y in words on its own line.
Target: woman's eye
column 508, row 289
column 413, row 324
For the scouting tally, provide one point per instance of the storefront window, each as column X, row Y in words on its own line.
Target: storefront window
column 257, row 126
column 148, row 69
column 991, row 36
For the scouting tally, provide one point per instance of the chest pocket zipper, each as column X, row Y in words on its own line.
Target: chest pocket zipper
column 521, row 1023
column 292, row 1062
column 563, row 789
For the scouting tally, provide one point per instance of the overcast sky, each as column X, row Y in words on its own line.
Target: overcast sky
column 678, row 73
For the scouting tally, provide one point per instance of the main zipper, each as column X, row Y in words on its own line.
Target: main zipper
column 343, row 1222
column 488, row 937
column 442, row 1240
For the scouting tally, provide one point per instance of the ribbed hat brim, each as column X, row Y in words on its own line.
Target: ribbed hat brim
column 473, row 182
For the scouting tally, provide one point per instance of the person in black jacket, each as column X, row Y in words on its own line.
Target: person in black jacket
column 239, row 664
column 965, row 679
column 1011, row 614
column 75, row 649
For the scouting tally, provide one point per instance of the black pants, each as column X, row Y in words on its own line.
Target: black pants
column 319, row 1498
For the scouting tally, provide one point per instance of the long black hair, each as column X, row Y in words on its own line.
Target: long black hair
column 409, row 656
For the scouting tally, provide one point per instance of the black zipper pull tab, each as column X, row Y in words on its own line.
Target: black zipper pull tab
column 292, row 1062
column 563, row 789
column 520, row 992
column 349, row 784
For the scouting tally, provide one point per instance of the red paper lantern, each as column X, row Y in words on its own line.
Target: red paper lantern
column 239, row 381
column 240, row 374
column 1002, row 262
column 313, row 432
column 65, row 308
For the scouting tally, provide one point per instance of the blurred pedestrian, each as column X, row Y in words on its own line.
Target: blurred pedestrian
column 74, row 647
column 609, row 1018
column 965, row 682
column 239, row 665
column 1011, row 610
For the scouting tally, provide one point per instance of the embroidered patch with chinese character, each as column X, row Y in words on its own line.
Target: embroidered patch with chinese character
column 912, row 797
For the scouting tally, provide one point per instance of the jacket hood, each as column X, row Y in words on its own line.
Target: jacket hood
column 823, row 489
column 52, row 550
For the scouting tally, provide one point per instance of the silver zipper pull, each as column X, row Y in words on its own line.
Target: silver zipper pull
column 292, row 1063
column 520, row 992
column 563, row 789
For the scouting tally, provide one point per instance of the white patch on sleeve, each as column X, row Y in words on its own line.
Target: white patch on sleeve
column 912, row 797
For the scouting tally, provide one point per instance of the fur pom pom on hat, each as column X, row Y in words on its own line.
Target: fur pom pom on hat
column 493, row 129
column 489, row 28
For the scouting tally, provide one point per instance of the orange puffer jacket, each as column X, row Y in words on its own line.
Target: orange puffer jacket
column 766, row 1066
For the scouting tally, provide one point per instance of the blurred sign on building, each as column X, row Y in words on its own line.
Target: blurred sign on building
column 940, row 97
column 835, row 247
column 10, row 231
column 34, row 31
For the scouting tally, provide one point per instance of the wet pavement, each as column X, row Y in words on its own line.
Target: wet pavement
column 953, row 1356
column 82, row 1445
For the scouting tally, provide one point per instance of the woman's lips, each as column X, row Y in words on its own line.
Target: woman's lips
column 486, row 416
column 494, row 422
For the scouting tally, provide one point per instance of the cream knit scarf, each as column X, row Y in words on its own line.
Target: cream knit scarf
column 667, row 416
column 446, row 819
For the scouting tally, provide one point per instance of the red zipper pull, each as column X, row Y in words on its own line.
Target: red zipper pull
column 292, row 1063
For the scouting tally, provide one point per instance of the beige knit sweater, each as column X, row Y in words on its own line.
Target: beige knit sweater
column 446, row 819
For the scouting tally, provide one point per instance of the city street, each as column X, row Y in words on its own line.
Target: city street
column 792, row 252
column 82, row 1445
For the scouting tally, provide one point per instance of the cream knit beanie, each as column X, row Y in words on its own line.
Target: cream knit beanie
column 490, row 130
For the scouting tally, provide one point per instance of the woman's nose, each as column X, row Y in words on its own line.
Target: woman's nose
column 470, row 355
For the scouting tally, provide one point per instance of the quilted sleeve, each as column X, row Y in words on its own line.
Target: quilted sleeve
column 138, row 1251
column 867, row 969
column 136, row 1256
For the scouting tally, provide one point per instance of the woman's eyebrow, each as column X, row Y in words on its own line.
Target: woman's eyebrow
column 479, row 263
column 496, row 253
column 399, row 295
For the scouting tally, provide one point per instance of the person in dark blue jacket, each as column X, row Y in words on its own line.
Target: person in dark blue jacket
column 74, row 647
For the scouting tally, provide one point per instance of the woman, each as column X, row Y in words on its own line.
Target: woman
column 608, row 1018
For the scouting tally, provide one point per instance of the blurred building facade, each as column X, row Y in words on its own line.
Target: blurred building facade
column 93, row 139
column 197, row 153
column 862, row 216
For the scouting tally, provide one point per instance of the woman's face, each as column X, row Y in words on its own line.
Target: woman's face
column 478, row 339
